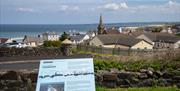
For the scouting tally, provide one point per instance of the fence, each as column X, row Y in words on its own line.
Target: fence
column 118, row 51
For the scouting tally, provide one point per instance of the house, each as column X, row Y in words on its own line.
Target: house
column 32, row 41
column 67, row 41
column 8, row 40
column 120, row 41
column 126, row 30
column 91, row 34
column 161, row 40
column 3, row 40
column 50, row 36
column 176, row 29
column 77, row 39
column 167, row 30
column 112, row 30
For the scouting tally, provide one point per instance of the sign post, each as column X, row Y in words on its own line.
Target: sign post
column 66, row 75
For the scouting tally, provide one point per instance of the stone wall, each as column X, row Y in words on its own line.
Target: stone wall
column 26, row 80
column 12, row 51
column 143, row 78
column 18, row 81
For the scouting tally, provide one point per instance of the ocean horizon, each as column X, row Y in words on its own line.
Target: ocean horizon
column 20, row 30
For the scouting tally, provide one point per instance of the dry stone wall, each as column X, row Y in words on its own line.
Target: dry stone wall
column 26, row 80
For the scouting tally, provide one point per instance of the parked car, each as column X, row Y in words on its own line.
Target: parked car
column 15, row 44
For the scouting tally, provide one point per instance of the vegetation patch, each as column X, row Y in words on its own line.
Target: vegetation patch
column 139, row 89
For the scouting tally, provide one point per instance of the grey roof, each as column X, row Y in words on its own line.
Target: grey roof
column 137, row 33
column 32, row 39
column 163, row 37
column 77, row 37
column 121, row 39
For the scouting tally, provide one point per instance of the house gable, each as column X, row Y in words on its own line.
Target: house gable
column 177, row 44
column 144, row 37
column 96, row 42
column 142, row 45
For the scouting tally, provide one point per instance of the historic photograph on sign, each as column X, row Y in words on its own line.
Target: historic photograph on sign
column 52, row 86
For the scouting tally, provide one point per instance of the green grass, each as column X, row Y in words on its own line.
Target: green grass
column 171, row 66
column 139, row 89
column 178, row 34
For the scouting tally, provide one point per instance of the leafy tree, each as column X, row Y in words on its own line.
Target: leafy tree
column 64, row 36
column 157, row 29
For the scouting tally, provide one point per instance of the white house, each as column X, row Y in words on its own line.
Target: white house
column 50, row 36
column 168, row 30
column 77, row 39
column 91, row 34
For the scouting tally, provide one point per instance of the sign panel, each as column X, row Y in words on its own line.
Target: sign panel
column 66, row 75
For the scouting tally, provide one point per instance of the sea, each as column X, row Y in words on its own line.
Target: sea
column 20, row 30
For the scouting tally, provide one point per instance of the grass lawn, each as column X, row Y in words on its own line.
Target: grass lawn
column 139, row 89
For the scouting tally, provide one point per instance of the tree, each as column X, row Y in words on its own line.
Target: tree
column 64, row 36
column 157, row 29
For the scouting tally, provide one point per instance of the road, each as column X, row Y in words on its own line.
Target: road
column 20, row 65
column 29, row 63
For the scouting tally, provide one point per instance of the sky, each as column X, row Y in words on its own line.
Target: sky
column 88, row 11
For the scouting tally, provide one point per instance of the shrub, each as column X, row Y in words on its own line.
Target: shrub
column 52, row 43
column 64, row 36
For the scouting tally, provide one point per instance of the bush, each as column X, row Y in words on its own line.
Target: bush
column 64, row 36
column 156, row 29
column 52, row 43
column 171, row 66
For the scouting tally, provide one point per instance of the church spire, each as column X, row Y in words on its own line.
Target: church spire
column 101, row 21
column 100, row 26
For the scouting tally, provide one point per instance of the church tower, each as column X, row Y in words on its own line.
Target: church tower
column 100, row 26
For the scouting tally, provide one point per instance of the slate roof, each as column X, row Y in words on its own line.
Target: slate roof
column 77, row 37
column 32, row 39
column 137, row 33
column 163, row 37
column 121, row 39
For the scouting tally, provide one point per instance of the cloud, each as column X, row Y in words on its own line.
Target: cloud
column 167, row 7
column 114, row 6
column 68, row 8
column 75, row 8
column 171, row 3
column 25, row 10
column 63, row 7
